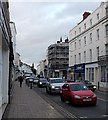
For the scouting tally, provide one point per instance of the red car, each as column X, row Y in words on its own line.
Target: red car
column 78, row 93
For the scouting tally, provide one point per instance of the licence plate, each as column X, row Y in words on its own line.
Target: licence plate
column 86, row 100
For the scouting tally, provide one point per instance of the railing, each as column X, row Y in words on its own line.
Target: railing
column 103, row 60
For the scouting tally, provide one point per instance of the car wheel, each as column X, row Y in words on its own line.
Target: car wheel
column 94, row 104
column 50, row 91
column 70, row 101
column 62, row 98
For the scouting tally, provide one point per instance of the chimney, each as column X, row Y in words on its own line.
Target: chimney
column 85, row 15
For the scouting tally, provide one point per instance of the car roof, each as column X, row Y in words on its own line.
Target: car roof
column 55, row 78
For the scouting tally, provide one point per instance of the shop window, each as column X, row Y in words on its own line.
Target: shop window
column 103, row 78
column 107, row 11
column 91, row 74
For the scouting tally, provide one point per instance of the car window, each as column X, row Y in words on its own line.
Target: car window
column 43, row 80
column 78, row 87
column 57, row 81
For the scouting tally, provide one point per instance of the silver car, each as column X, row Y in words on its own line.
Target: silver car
column 54, row 85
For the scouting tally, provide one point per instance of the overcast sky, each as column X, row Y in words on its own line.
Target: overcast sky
column 40, row 24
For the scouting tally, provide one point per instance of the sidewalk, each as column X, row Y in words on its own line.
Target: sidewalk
column 26, row 103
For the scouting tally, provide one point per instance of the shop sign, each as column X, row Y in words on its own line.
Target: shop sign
column 79, row 68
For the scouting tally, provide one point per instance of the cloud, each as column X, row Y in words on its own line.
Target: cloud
column 41, row 24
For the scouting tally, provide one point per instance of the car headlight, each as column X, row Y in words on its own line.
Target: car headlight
column 94, row 86
column 76, row 96
column 52, row 87
column 40, row 82
column 94, row 95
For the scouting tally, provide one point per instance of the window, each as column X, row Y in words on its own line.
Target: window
column 90, row 55
column 84, row 56
column 97, row 34
column 75, row 59
column 97, row 16
column 97, row 52
column 75, row 45
column 79, row 57
column 90, row 22
column 107, row 11
column 85, row 26
column 91, row 74
column 75, row 33
column 90, row 37
column 79, row 43
column 79, row 29
column 106, row 30
column 85, row 41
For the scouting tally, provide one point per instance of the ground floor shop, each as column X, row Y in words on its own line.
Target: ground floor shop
column 4, row 74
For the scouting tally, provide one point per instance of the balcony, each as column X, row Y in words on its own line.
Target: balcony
column 103, row 60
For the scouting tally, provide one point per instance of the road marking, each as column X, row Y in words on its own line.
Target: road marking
column 105, row 115
column 83, row 117
column 102, row 99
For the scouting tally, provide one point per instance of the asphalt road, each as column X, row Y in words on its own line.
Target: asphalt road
column 98, row 111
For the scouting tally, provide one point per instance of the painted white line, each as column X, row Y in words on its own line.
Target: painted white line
column 103, row 99
column 83, row 117
column 105, row 115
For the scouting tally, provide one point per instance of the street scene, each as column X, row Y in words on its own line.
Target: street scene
column 53, row 59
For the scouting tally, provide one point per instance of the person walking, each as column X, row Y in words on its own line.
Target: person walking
column 20, row 80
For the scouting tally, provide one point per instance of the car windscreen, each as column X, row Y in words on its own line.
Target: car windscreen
column 43, row 80
column 57, row 80
column 78, row 87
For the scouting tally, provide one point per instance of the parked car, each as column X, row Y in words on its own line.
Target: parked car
column 54, row 85
column 42, row 82
column 78, row 93
column 88, row 84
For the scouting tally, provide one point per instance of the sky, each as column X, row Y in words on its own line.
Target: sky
column 40, row 24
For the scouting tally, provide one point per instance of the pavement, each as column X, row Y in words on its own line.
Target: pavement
column 26, row 103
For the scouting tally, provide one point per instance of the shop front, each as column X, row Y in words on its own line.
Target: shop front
column 79, row 72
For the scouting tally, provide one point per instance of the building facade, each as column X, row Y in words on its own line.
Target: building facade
column 58, row 59
column 5, row 55
column 87, row 41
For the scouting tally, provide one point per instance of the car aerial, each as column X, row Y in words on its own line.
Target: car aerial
column 88, row 84
column 54, row 85
column 42, row 82
column 78, row 93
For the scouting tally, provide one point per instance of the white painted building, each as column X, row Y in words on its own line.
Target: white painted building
column 13, row 35
column 4, row 55
column 13, row 32
column 87, row 42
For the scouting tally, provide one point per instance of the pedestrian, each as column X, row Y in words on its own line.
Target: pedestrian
column 20, row 80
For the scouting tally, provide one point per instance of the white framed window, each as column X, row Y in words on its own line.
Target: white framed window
column 75, row 45
column 85, row 26
column 90, row 37
column 90, row 22
column 85, row 41
column 84, row 56
column 106, row 29
column 90, row 55
column 98, row 34
column 80, row 43
column 79, row 29
column 75, row 33
column 97, row 16
column 97, row 52
column 75, row 59
column 79, row 57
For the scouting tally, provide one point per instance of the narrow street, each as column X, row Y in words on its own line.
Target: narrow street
column 98, row 111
